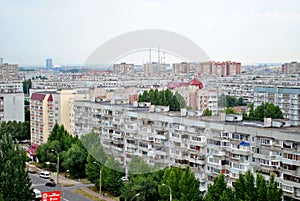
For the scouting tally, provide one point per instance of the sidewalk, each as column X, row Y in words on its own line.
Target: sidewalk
column 96, row 194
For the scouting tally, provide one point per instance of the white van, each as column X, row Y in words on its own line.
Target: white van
column 45, row 174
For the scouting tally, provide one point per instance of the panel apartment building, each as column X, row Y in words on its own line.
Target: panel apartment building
column 291, row 68
column 226, row 68
column 288, row 100
column 208, row 145
column 48, row 108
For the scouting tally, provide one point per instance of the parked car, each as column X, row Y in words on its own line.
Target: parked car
column 45, row 174
column 37, row 194
column 51, row 183
column 31, row 168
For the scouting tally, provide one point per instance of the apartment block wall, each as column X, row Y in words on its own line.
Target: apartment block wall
column 288, row 100
column 210, row 148
column 12, row 107
column 8, row 71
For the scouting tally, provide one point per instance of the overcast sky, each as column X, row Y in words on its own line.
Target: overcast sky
column 69, row 31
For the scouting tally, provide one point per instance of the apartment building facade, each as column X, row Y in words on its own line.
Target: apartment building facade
column 48, row 108
column 291, row 68
column 123, row 69
column 12, row 107
column 209, row 147
column 8, row 72
column 154, row 68
column 288, row 100
column 41, row 117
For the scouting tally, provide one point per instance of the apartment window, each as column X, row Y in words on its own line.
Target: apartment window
column 264, row 162
column 265, row 141
column 288, row 188
column 235, row 136
column 288, row 156
column 297, row 157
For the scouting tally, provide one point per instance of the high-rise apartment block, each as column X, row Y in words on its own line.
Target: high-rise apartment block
column 154, row 68
column 209, row 146
column 12, row 107
column 185, row 67
column 48, row 108
column 49, row 63
column 123, row 69
column 8, row 72
column 224, row 69
column 288, row 100
column 291, row 68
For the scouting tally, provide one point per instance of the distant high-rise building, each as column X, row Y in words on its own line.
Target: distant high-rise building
column 291, row 68
column 49, row 63
column 8, row 72
column 154, row 68
column 123, row 68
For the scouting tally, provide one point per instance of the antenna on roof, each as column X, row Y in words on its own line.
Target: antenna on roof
column 150, row 55
column 158, row 55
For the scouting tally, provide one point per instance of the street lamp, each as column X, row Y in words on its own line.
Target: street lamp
column 62, row 186
column 57, row 166
column 135, row 196
column 100, row 179
column 170, row 191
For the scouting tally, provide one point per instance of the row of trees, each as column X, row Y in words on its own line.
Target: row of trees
column 17, row 130
column 230, row 101
column 265, row 110
column 15, row 183
column 245, row 188
column 164, row 98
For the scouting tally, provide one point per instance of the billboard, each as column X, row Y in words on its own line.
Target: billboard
column 51, row 196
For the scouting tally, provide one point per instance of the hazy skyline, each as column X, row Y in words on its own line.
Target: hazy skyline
column 69, row 31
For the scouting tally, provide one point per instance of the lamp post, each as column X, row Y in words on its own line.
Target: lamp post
column 57, row 166
column 100, row 180
column 62, row 186
column 169, row 190
column 135, row 196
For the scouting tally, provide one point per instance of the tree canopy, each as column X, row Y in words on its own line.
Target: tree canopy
column 15, row 184
column 246, row 187
column 265, row 110
column 230, row 101
column 17, row 130
column 163, row 98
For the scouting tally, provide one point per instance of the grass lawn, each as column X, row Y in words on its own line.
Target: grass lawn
column 84, row 181
column 95, row 189
column 86, row 194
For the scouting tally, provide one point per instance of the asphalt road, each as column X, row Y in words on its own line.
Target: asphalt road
column 39, row 183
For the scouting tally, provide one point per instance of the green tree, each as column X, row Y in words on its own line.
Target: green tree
column 75, row 160
column 17, row 130
column 240, row 102
column 15, row 184
column 267, row 110
column 112, row 173
column 27, row 84
column 218, row 190
column 273, row 192
column 183, row 184
column 230, row 110
column 244, row 187
column 97, row 155
column 207, row 112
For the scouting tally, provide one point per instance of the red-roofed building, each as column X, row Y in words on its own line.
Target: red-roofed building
column 41, row 117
